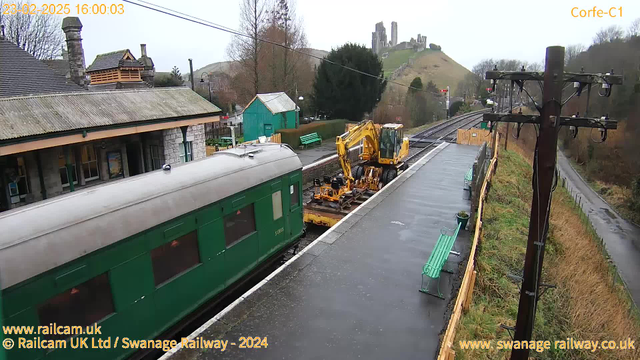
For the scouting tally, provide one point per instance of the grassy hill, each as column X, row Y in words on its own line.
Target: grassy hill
column 428, row 65
column 397, row 58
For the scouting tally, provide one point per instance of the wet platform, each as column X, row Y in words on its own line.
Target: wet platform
column 353, row 293
column 316, row 152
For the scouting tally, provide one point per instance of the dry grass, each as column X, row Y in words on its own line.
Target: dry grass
column 599, row 307
column 589, row 304
column 433, row 66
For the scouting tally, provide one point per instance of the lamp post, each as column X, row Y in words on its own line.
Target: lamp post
column 208, row 82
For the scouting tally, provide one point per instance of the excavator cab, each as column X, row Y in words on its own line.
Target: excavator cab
column 392, row 147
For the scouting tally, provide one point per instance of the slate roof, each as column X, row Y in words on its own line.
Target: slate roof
column 22, row 74
column 276, row 102
column 47, row 114
column 59, row 66
column 112, row 60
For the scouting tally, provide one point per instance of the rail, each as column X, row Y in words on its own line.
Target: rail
column 447, row 125
column 463, row 299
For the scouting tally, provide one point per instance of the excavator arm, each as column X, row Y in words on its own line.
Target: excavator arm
column 364, row 130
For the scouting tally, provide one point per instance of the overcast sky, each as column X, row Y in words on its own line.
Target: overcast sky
column 467, row 30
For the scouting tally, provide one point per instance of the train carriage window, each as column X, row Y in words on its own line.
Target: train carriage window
column 276, row 199
column 81, row 305
column 295, row 195
column 239, row 224
column 175, row 257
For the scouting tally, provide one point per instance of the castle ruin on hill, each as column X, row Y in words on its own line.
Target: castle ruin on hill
column 380, row 44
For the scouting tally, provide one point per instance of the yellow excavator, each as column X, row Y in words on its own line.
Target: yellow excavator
column 383, row 154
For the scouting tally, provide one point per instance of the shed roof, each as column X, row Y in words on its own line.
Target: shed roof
column 22, row 74
column 45, row 114
column 113, row 60
column 276, row 102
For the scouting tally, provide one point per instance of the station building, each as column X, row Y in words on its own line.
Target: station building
column 59, row 132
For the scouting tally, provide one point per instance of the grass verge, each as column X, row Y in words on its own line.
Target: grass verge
column 588, row 304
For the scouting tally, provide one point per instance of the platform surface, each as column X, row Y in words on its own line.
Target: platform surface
column 316, row 152
column 354, row 292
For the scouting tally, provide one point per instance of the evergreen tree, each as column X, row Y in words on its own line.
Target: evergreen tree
column 343, row 93
column 416, row 102
column 173, row 79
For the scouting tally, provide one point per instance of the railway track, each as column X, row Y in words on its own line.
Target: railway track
column 442, row 132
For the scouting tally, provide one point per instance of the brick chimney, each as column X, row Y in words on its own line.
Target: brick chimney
column 148, row 72
column 72, row 28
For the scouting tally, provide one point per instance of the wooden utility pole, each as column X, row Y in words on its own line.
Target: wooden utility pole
column 544, row 166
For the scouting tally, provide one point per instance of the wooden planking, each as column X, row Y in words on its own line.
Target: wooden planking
column 473, row 136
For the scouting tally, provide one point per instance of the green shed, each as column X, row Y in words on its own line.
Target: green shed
column 268, row 113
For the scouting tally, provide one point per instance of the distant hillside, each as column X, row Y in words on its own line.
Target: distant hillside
column 228, row 68
column 316, row 52
column 223, row 66
column 427, row 64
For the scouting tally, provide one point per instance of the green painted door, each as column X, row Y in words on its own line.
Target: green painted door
column 268, row 129
column 294, row 219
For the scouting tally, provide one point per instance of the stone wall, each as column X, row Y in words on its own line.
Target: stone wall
column 173, row 147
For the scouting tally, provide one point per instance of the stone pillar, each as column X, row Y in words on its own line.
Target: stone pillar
column 72, row 28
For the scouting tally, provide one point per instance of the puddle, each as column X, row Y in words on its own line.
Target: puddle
column 609, row 213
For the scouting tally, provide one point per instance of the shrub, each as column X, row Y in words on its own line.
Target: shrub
column 327, row 129
column 455, row 107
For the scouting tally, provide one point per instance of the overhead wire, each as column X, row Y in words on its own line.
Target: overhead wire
column 193, row 19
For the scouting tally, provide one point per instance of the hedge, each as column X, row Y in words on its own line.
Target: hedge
column 327, row 129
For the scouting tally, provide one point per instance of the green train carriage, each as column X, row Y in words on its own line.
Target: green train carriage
column 137, row 255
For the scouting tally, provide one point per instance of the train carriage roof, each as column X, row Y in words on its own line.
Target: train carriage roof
column 39, row 237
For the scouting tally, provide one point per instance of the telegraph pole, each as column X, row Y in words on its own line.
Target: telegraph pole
column 544, row 165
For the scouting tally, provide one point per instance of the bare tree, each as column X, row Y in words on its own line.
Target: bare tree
column 39, row 35
column 572, row 51
column 288, row 66
column 634, row 28
column 245, row 51
column 610, row 34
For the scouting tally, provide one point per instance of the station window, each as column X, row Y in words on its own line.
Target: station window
column 157, row 158
column 175, row 257
column 62, row 161
column 239, row 224
column 295, row 195
column 89, row 163
column 276, row 199
column 81, row 305
column 189, row 157
column 21, row 178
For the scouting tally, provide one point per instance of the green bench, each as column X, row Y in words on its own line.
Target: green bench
column 468, row 178
column 310, row 139
column 437, row 259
